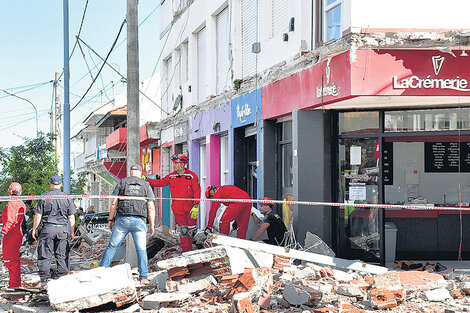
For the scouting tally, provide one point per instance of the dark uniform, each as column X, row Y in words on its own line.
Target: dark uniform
column 276, row 229
column 131, row 217
column 53, row 239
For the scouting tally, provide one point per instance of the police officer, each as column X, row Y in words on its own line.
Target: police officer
column 183, row 184
column 272, row 223
column 55, row 215
column 12, row 217
column 130, row 216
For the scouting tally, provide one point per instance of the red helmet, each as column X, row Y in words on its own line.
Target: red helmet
column 15, row 189
column 179, row 158
column 268, row 201
column 208, row 190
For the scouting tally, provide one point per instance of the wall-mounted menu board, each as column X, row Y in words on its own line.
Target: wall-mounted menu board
column 443, row 157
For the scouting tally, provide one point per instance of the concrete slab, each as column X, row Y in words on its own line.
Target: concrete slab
column 155, row 300
column 92, row 288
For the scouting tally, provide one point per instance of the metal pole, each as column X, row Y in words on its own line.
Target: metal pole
column 66, row 141
column 35, row 110
column 133, row 134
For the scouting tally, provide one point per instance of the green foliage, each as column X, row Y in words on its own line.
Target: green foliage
column 237, row 84
column 30, row 164
column 77, row 183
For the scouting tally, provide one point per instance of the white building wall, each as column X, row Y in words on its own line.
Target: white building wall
column 403, row 14
column 202, row 13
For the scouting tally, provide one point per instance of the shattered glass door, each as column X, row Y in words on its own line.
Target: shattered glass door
column 359, row 183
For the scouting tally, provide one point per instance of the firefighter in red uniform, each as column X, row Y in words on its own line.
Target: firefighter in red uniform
column 238, row 211
column 12, row 234
column 183, row 184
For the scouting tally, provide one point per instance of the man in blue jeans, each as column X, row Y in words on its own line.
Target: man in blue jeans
column 129, row 216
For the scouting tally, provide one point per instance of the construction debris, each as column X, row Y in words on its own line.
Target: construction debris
column 92, row 288
column 239, row 276
column 302, row 255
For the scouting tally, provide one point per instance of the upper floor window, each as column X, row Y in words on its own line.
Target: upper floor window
column 333, row 19
column 279, row 17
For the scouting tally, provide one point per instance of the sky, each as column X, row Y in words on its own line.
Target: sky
column 32, row 50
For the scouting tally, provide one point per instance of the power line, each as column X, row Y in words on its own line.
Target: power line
column 35, row 86
column 122, row 76
column 107, row 56
column 79, row 32
column 145, row 19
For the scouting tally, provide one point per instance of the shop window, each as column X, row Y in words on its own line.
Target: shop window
column 358, row 123
column 427, row 120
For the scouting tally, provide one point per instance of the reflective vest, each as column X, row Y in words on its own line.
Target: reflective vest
column 132, row 187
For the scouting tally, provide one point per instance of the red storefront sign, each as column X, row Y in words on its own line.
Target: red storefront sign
column 369, row 73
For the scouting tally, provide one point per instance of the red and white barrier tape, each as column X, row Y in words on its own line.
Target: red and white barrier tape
column 309, row 203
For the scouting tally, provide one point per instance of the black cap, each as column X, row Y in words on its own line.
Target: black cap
column 136, row 167
column 56, row 180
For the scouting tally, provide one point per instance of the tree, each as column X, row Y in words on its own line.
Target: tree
column 32, row 164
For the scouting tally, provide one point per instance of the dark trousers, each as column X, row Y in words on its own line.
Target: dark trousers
column 53, row 241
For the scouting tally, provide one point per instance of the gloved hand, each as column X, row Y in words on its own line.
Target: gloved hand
column 209, row 230
column 195, row 211
column 144, row 177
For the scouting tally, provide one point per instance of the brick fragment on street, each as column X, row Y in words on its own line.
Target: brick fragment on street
column 226, row 279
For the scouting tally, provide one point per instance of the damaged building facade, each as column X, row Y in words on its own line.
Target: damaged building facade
column 323, row 100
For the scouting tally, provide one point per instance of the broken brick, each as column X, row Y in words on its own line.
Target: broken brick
column 328, row 309
column 242, row 303
column 297, row 295
column 264, row 301
column 457, row 294
column 382, row 298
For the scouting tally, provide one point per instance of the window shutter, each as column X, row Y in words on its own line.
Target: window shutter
column 223, row 62
column 201, row 65
column 249, row 36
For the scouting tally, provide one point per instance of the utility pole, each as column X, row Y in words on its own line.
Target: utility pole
column 133, row 119
column 55, row 123
column 66, row 141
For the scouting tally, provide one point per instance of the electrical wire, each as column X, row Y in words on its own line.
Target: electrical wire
column 36, row 86
column 101, row 76
column 141, row 23
column 79, row 32
column 122, row 76
column 107, row 56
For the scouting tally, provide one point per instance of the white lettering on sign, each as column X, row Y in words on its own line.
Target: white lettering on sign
column 243, row 112
column 328, row 90
column 415, row 82
column 179, row 131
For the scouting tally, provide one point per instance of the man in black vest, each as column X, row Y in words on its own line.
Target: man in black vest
column 55, row 215
column 129, row 216
column 272, row 223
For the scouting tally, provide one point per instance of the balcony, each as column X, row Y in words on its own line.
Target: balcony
column 117, row 140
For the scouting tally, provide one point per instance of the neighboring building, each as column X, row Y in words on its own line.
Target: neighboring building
column 105, row 142
column 91, row 159
column 322, row 100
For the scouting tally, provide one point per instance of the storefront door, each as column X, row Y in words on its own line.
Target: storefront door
column 358, row 229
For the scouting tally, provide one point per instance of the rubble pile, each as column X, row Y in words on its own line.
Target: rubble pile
column 229, row 278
